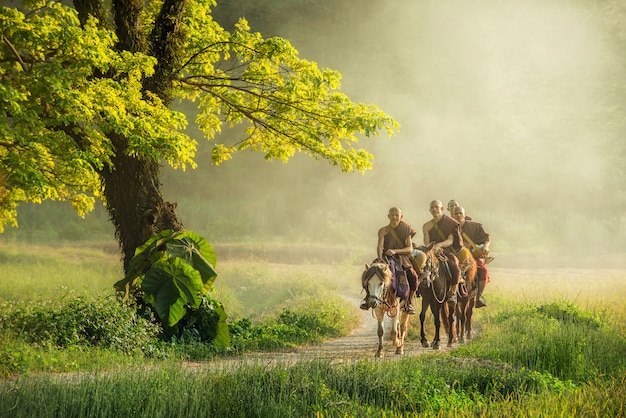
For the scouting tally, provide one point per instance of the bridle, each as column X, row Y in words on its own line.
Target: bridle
column 385, row 285
column 431, row 270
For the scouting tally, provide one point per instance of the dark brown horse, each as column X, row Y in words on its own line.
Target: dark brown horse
column 434, row 287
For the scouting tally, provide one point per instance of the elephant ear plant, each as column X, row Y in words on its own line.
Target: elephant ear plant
column 173, row 272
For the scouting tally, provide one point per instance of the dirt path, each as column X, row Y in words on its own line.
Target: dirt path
column 360, row 344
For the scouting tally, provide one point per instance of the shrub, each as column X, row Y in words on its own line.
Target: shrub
column 80, row 320
column 556, row 338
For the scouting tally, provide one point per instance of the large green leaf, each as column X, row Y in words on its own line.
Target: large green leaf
column 222, row 334
column 170, row 286
column 144, row 257
column 198, row 253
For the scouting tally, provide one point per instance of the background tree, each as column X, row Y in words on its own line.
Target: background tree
column 86, row 96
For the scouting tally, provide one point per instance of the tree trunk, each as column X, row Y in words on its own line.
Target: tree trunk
column 131, row 185
column 135, row 203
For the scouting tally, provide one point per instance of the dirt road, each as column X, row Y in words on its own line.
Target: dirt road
column 360, row 344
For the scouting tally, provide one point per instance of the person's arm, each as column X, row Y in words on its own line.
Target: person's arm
column 425, row 231
column 486, row 239
column 443, row 244
column 402, row 251
column 381, row 241
column 486, row 244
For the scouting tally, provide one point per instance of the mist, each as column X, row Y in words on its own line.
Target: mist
column 510, row 107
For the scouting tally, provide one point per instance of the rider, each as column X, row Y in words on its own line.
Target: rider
column 445, row 233
column 395, row 239
column 451, row 205
column 477, row 241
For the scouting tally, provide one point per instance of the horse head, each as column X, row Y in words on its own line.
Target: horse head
column 376, row 280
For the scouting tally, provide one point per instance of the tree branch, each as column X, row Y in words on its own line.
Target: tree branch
column 17, row 54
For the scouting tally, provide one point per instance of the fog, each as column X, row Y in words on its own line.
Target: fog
column 510, row 107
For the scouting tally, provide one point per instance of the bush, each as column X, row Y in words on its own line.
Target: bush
column 559, row 339
column 80, row 320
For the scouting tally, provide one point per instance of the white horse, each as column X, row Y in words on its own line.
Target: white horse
column 376, row 281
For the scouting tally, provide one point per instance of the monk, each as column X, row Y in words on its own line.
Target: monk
column 395, row 240
column 445, row 233
column 477, row 241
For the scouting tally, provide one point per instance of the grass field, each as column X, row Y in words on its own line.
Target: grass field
column 552, row 342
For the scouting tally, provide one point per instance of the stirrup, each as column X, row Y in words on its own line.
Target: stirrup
column 409, row 309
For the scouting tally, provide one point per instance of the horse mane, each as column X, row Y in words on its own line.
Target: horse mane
column 382, row 270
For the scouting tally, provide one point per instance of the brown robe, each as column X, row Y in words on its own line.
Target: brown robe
column 405, row 232
column 448, row 226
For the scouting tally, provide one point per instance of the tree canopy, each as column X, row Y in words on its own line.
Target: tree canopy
column 73, row 81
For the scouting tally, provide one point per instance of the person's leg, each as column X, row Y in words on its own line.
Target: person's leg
column 481, row 276
column 455, row 276
column 412, row 278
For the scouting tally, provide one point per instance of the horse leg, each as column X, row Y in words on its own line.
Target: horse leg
column 404, row 326
column 423, row 339
column 435, row 309
column 450, row 324
column 469, row 320
column 460, row 314
column 393, row 334
column 380, row 353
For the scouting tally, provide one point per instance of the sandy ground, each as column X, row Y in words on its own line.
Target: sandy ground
column 360, row 344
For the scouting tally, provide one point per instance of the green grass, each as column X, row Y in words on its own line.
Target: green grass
column 425, row 386
column 552, row 352
column 32, row 272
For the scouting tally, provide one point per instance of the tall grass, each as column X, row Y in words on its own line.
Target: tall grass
column 427, row 386
column 32, row 272
column 270, row 307
column 551, row 352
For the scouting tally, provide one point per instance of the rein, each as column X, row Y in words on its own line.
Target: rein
column 383, row 299
column 430, row 265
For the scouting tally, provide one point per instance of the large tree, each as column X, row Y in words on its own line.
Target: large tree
column 86, row 98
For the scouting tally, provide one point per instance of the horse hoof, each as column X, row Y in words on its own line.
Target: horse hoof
column 399, row 351
column 425, row 344
column 435, row 346
column 378, row 355
column 449, row 344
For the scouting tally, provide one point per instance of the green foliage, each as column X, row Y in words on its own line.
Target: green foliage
column 408, row 388
column 555, row 338
column 205, row 323
column 53, row 130
column 288, row 330
column 570, row 313
column 67, row 89
column 79, row 320
column 173, row 271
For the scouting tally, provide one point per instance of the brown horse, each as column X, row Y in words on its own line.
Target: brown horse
column 376, row 280
column 435, row 289
column 466, row 299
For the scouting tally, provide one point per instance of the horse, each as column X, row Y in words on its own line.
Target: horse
column 377, row 280
column 434, row 287
column 466, row 300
